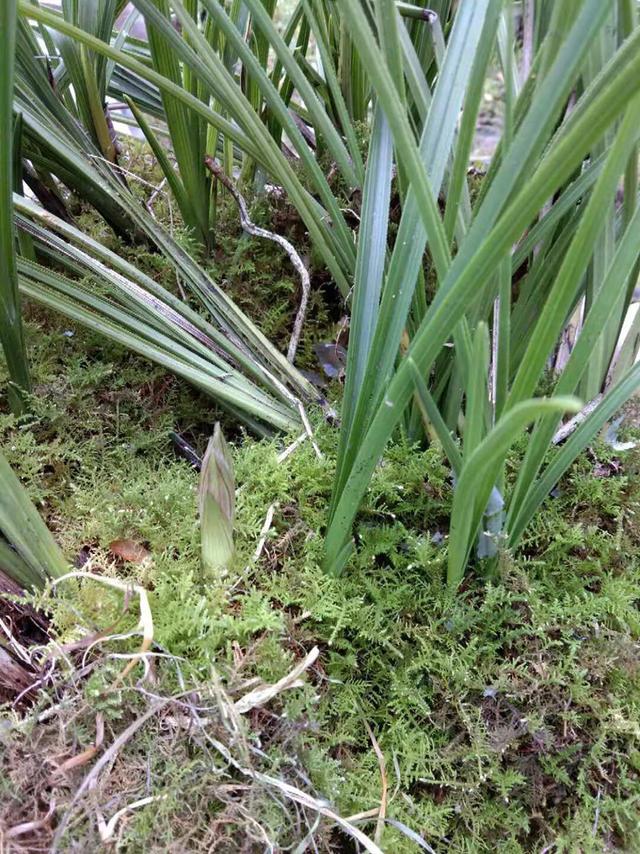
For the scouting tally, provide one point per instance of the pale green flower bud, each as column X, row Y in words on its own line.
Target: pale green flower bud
column 217, row 499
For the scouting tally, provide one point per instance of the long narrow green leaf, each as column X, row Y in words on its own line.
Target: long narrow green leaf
column 137, row 289
column 610, row 297
column 318, row 27
column 469, row 119
column 413, row 233
column 370, row 263
column 407, row 150
column 276, row 164
column 534, row 130
column 11, row 335
column 119, row 326
column 185, row 129
column 576, row 191
column 22, row 526
column 578, row 441
column 352, row 171
column 14, row 566
column 388, row 24
column 452, row 300
column 489, row 455
column 432, row 414
column 476, row 405
column 208, row 67
column 180, row 192
column 604, row 47
column 563, row 293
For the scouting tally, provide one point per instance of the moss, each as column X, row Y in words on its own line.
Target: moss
column 507, row 714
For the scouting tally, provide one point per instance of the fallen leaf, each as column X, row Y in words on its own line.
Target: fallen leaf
column 129, row 550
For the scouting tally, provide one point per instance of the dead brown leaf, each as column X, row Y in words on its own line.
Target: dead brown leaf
column 129, row 551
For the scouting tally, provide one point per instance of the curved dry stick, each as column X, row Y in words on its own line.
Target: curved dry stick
column 382, row 812
column 255, row 231
column 146, row 618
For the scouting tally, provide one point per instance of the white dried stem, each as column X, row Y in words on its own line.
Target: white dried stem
column 255, row 231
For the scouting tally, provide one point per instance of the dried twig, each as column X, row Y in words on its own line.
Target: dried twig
column 255, row 231
column 363, row 816
column 264, row 532
column 382, row 812
column 596, row 820
column 262, row 695
column 288, row 451
column 155, row 194
column 109, row 754
column 107, row 829
column 146, row 618
column 86, row 755
column 567, row 429
column 15, row 644
column 298, row 796
column 231, row 720
column 307, row 427
column 30, row 826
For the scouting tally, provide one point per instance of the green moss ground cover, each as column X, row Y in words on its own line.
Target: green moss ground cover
column 507, row 715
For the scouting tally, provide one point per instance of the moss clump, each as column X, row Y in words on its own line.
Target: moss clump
column 507, row 714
